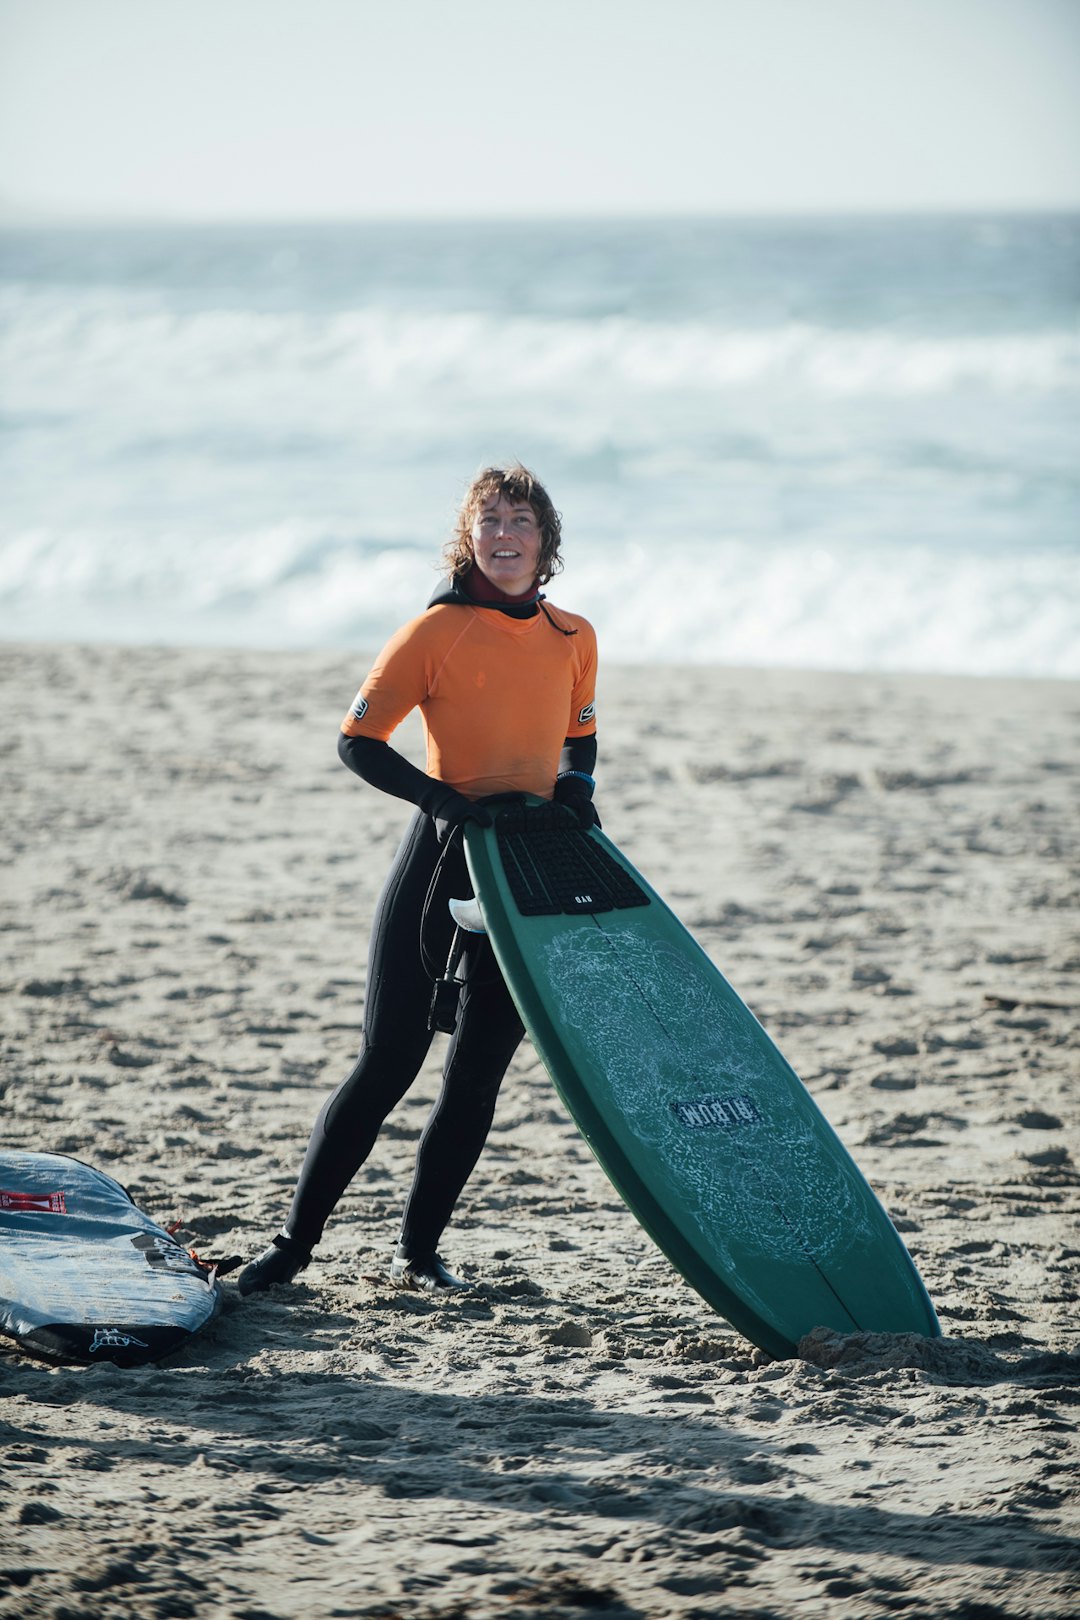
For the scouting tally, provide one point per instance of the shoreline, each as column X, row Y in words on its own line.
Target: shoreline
column 361, row 658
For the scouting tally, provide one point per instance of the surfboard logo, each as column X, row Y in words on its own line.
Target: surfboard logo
column 586, row 714
column 716, row 1113
column 106, row 1338
column 360, row 706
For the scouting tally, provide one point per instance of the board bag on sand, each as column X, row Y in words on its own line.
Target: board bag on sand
column 698, row 1119
column 84, row 1274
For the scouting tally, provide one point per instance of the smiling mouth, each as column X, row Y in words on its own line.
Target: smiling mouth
column 506, row 554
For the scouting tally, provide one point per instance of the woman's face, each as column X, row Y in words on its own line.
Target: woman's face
column 506, row 544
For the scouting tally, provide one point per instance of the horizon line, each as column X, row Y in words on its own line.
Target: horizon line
column 29, row 219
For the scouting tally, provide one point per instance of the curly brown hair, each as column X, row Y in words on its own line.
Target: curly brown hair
column 517, row 483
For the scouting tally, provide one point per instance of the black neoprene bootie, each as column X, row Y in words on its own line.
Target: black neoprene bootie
column 423, row 1273
column 280, row 1264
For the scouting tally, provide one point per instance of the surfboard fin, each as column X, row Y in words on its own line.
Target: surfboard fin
column 467, row 915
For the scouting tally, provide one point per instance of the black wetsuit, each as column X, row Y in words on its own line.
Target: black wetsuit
column 394, row 1045
column 396, row 1037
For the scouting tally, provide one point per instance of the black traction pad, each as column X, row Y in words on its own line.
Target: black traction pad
column 554, row 868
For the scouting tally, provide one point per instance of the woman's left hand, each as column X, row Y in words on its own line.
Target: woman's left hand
column 575, row 795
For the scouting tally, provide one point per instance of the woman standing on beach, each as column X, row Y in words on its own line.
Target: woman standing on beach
column 505, row 685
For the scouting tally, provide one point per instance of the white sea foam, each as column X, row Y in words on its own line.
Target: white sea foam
column 841, row 608
column 731, row 602
column 45, row 343
column 860, row 455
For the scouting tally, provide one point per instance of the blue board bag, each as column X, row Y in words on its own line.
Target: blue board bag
column 85, row 1275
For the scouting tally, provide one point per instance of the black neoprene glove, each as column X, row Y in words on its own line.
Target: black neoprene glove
column 451, row 809
column 575, row 793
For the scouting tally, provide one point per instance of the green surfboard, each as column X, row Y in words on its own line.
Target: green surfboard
column 697, row 1118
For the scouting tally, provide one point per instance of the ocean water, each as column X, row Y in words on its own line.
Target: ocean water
column 827, row 444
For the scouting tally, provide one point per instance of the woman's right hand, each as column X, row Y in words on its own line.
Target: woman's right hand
column 453, row 810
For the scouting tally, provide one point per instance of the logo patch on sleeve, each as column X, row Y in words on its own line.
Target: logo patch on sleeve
column 360, row 706
column 587, row 713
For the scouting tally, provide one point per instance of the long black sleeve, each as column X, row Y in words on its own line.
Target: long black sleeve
column 376, row 762
column 384, row 768
column 579, row 754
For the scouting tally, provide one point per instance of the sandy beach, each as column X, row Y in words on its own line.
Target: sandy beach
column 887, row 869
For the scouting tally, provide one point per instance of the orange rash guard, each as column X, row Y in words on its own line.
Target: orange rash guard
column 498, row 696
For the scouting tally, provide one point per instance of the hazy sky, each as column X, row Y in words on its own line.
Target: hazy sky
column 301, row 108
